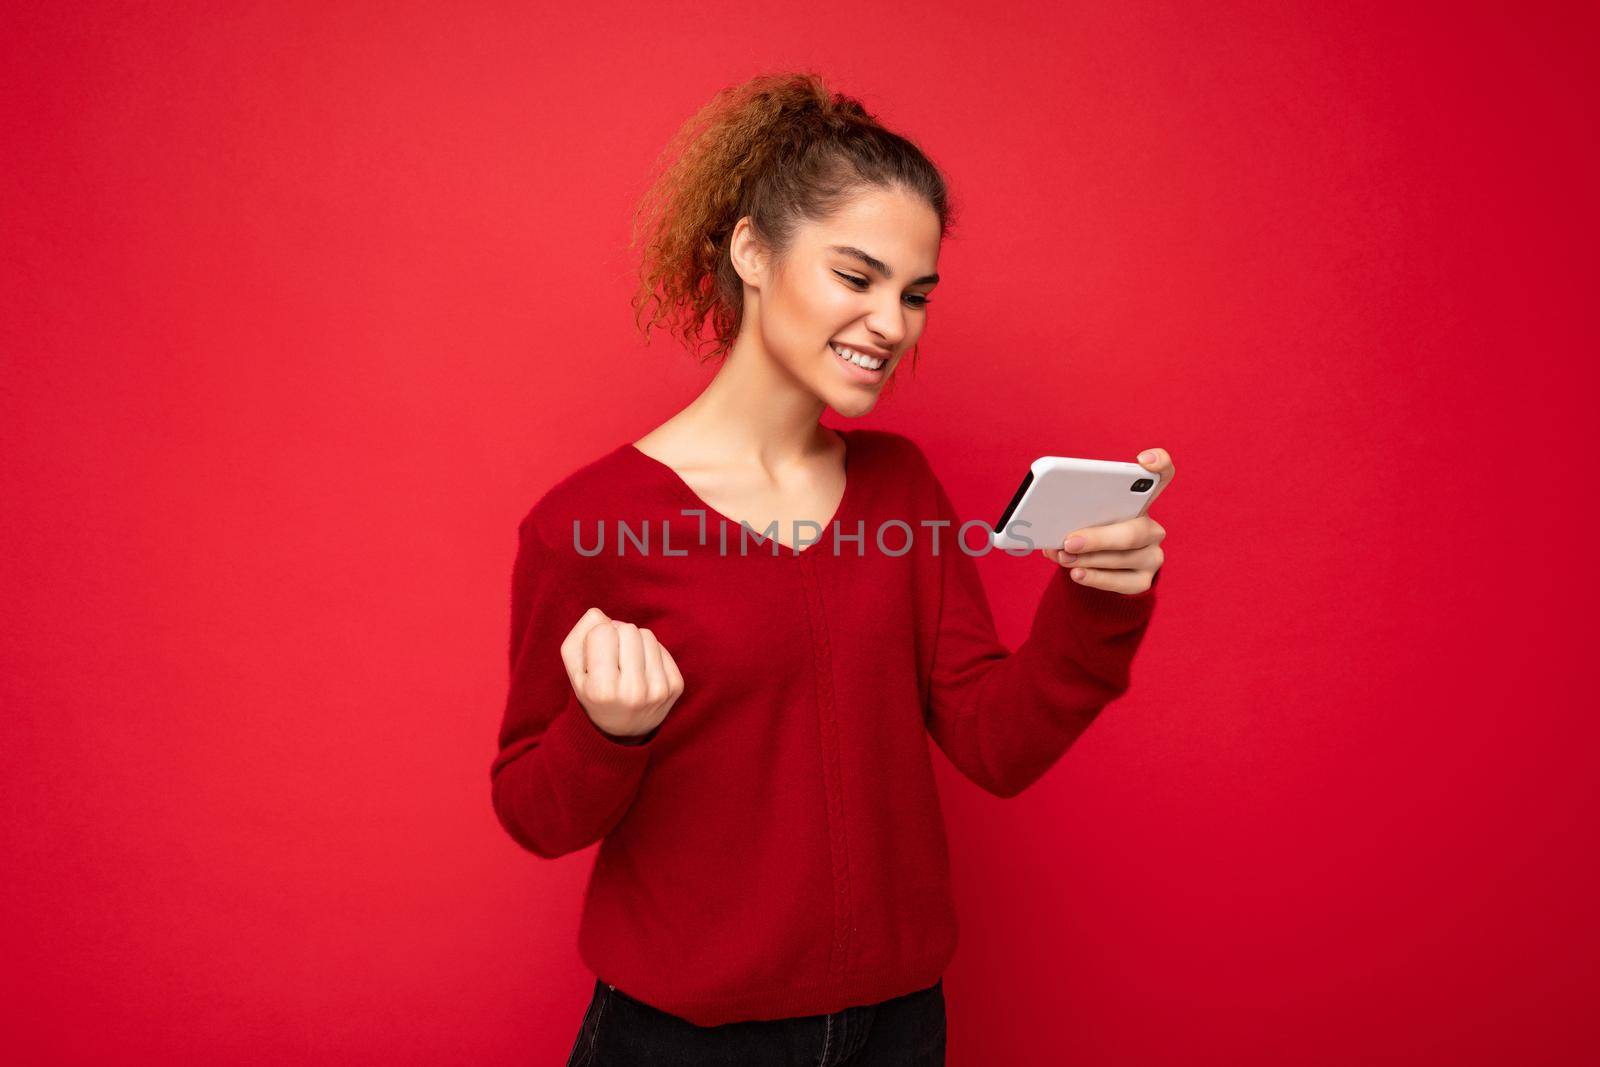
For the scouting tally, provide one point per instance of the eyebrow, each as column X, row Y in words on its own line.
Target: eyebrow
column 875, row 263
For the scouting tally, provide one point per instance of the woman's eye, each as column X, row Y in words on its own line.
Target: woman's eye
column 918, row 300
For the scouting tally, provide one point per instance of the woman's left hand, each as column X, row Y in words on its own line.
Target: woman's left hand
column 1120, row 556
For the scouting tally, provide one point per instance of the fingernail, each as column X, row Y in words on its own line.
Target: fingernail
column 1147, row 457
column 1070, row 557
column 1074, row 543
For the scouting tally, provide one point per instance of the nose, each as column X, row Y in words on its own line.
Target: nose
column 888, row 328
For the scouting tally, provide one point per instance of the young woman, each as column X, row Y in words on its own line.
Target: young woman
column 744, row 729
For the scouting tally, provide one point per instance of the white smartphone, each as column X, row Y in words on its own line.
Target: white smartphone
column 1060, row 494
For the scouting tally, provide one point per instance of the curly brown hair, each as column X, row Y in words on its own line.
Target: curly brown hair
column 781, row 148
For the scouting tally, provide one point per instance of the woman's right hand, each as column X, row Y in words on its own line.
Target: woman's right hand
column 625, row 679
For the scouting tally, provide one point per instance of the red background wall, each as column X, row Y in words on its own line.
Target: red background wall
column 305, row 305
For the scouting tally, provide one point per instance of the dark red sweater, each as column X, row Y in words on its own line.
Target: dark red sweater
column 776, row 847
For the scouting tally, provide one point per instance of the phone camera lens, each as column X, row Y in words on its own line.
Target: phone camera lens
column 1141, row 485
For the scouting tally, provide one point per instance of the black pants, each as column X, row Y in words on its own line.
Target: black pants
column 907, row 1031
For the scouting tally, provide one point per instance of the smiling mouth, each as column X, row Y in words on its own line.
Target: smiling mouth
column 858, row 359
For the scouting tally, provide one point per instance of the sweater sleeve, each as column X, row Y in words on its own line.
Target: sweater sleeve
column 1004, row 718
column 558, row 782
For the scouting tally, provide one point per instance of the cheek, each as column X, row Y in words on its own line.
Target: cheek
column 812, row 317
column 811, row 293
column 805, row 315
column 833, row 313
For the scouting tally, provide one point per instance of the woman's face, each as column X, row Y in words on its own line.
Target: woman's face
column 860, row 281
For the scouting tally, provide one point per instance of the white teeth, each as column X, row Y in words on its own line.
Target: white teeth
column 852, row 356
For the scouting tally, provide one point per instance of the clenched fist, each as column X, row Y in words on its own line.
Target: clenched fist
column 624, row 678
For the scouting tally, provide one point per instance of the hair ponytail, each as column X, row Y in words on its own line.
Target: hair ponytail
column 781, row 148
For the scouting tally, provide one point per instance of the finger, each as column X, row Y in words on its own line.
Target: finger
column 670, row 665
column 630, row 664
column 655, row 675
column 1159, row 462
column 600, row 661
column 1121, row 536
column 572, row 646
column 1149, row 558
column 1127, row 582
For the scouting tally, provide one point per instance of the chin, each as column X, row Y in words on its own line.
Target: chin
column 852, row 405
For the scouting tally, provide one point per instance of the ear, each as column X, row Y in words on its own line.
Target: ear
column 748, row 254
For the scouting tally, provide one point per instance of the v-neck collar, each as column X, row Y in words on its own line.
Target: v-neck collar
column 846, row 501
